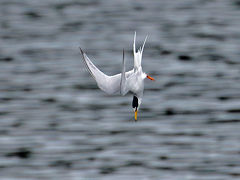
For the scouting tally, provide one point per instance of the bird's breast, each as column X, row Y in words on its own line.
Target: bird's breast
column 137, row 85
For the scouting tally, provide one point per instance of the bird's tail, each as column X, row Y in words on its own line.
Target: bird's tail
column 138, row 54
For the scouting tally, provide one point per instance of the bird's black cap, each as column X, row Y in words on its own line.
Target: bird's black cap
column 135, row 102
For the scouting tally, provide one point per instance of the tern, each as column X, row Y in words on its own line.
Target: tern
column 124, row 82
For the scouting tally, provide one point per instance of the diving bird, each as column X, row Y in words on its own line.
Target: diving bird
column 124, row 82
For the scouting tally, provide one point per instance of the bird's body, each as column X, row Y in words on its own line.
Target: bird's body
column 124, row 82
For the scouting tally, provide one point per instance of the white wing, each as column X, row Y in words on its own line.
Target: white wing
column 138, row 54
column 108, row 84
column 123, row 85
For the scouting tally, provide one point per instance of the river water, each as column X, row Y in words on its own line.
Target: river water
column 56, row 124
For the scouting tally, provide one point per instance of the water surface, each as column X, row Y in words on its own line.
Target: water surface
column 56, row 124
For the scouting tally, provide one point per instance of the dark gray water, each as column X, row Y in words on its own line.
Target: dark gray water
column 56, row 124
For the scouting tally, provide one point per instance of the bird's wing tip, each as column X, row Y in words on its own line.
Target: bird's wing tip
column 81, row 50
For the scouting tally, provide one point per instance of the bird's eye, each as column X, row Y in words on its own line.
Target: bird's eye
column 135, row 102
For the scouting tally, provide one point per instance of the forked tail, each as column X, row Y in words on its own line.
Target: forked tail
column 138, row 54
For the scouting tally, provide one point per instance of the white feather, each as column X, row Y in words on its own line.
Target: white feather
column 137, row 55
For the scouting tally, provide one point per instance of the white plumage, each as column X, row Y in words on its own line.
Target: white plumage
column 124, row 82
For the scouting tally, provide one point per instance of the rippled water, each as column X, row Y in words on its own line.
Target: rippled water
column 56, row 124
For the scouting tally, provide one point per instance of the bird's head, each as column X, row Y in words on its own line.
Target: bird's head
column 138, row 99
column 136, row 104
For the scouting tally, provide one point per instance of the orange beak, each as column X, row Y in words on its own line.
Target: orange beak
column 136, row 115
column 151, row 78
